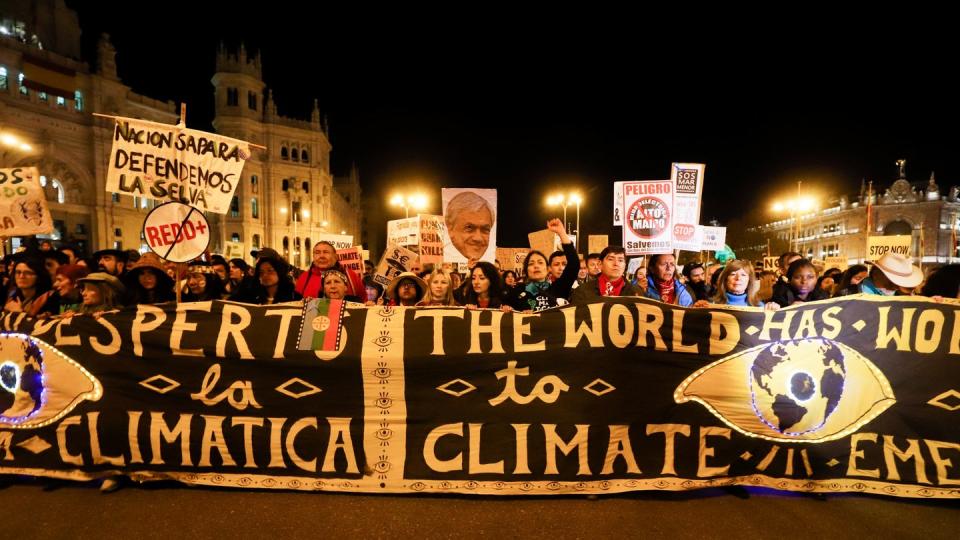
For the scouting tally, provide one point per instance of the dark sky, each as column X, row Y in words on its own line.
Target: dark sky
column 533, row 104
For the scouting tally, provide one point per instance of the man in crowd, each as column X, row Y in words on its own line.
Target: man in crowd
column 593, row 265
column 892, row 275
column 111, row 261
column 610, row 281
column 310, row 283
column 696, row 276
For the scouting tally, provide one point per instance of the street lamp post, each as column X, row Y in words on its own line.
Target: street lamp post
column 417, row 201
column 796, row 207
column 565, row 201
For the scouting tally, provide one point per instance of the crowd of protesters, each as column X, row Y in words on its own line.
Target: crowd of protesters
column 45, row 282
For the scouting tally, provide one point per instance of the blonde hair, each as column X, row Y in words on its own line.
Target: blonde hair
column 448, row 296
column 752, row 286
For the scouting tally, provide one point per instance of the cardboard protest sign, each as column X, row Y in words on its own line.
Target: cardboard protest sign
column 404, row 233
column 470, row 216
column 771, row 263
column 23, row 204
column 618, row 203
column 597, row 242
column 687, row 181
column 233, row 250
column 511, row 258
column 712, row 238
column 543, row 241
column 339, row 241
column 648, row 217
column 351, row 258
column 394, row 262
column 878, row 246
column 431, row 238
column 835, row 262
column 169, row 163
column 176, row 232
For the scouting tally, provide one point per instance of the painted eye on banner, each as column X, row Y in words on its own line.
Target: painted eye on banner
column 39, row 384
column 382, row 373
column 383, row 341
column 384, row 434
column 811, row 390
column 384, row 403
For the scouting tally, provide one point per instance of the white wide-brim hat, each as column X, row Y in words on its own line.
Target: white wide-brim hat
column 900, row 270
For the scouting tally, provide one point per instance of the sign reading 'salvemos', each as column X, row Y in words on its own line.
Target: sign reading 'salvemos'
column 856, row 394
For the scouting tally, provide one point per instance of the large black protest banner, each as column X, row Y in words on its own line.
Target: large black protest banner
column 859, row 394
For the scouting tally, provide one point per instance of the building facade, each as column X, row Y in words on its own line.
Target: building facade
column 48, row 95
column 923, row 210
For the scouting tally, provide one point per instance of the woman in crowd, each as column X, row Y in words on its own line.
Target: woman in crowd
column 801, row 285
column 407, row 289
column 238, row 279
column 203, row 284
column 850, row 279
column 538, row 293
column 101, row 292
column 147, row 282
column 485, row 289
column 439, row 292
column 274, row 283
column 736, row 286
column 510, row 281
column 335, row 285
column 944, row 282
column 826, row 284
column 32, row 292
column 662, row 283
column 374, row 291
column 67, row 286
column 640, row 280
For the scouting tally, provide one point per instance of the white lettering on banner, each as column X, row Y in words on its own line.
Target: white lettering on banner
column 210, row 380
column 557, row 386
column 169, row 163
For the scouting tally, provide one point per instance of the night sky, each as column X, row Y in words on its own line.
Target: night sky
column 530, row 105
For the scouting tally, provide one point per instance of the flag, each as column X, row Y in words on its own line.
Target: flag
column 321, row 325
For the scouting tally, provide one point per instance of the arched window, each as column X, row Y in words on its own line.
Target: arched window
column 898, row 227
column 286, row 248
column 254, row 208
column 306, row 187
column 55, row 191
column 235, row 206
column 285, row 185
column 304, row 156
column 296, row 251
column 283, row 153
column 295, row 154
column 256, row 241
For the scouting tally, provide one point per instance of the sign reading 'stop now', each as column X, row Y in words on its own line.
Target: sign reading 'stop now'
column 168, row 163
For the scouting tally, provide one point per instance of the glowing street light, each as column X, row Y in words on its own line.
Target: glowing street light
column 416, row 201
column 566, row 200
column 796, row 207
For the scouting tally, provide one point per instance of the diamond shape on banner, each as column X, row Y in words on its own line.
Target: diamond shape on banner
column 307, row 388
column 465, row 387
column 35, row 444
column 859, row 325
column 944, row 399
column 607, row 387
column 160, row 389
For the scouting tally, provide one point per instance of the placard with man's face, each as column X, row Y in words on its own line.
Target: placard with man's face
column 470, row 216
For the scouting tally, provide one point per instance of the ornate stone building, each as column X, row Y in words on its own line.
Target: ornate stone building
column 287, row 196
column 930, row 214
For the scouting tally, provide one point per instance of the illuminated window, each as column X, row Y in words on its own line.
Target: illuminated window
column 23, row 89
column 3, row 78
column 61, row 102
column 78, row 100
column 56, row 186
column 254, row 208
column 254, row 184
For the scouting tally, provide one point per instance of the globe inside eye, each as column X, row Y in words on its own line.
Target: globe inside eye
column 9, row 376
column 802, row 386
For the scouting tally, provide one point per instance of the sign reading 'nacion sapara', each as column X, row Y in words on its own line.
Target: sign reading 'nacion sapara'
column 856, row 394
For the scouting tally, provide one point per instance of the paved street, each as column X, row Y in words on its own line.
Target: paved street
column 47, row 509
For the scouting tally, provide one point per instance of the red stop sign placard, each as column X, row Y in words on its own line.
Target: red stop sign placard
column 177, row 232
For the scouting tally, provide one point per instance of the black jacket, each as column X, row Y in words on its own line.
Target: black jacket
column 589, row 292
column 523, row 300
column 258, row 294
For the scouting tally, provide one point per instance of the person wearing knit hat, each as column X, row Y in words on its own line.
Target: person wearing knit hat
column 66, row 287
column 147, row 282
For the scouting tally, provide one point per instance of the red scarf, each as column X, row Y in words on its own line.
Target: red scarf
column 667, row 290
column 610, row 288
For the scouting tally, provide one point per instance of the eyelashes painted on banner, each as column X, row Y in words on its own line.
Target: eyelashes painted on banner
column 28, row 369
column 811, row 390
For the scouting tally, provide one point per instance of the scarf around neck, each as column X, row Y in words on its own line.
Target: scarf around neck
column 667, row 290
column 610, row 288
